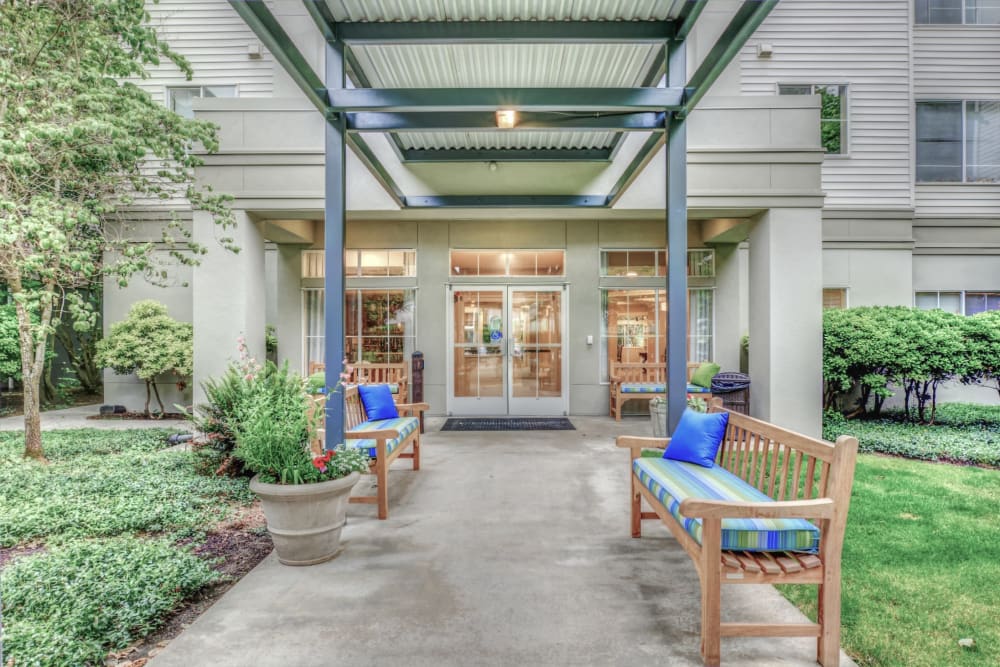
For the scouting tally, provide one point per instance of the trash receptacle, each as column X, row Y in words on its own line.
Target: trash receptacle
column 734, row 390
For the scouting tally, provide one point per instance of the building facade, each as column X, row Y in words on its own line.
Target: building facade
column 849, row 156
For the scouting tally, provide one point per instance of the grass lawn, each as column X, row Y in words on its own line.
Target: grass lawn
column 97, row 547
column 921, row 565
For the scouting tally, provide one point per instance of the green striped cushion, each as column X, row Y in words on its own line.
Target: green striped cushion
column 643, row 388
column 404, row 425
column 674, row 481
column 657, row 388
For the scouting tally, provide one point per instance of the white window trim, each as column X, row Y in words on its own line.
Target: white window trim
column 506, row 274
column 964, row 23
column 845, row 138
column 656, row 251
column 965, row 145
column 170, row 86
column 961, row 295
column 847, row 293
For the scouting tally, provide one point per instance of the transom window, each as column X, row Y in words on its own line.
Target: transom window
column 833, row 112
column 364, row 263
column 503, row 263
column 648, row 262
column 969, row 12
column 958, row 142
column 180, row 98
column 960, row 303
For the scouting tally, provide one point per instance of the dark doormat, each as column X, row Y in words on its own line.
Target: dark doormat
column 509, row 424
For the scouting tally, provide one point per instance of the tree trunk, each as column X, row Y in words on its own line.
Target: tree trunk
column 145, row 410
column 159, row 400
column 32, row 365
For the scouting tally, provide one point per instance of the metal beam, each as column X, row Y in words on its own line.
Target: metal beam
column 323, row 17
column 335, row 234
column 507, row 201
column 748, row 18
column 376, row 168
column 639, row 161
column 485, row 121
column 486, row 32
column 687, row 17
column 677, row 243
column 491, row 99
column 260, row 19
column 506, row 154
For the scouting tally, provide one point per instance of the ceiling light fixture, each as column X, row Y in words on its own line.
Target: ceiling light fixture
column 506, row 119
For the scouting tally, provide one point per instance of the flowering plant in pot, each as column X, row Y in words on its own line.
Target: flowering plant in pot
column 304, row 493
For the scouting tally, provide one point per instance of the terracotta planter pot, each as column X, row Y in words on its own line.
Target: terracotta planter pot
column 305, row 519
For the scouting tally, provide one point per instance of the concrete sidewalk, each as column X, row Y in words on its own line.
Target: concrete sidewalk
column 76, row 417
column 507, row 548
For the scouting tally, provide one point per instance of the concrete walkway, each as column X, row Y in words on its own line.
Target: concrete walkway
column 76, row 417
column 505, row 549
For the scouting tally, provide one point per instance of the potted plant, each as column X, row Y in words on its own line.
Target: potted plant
column 304, row 495
column 658, row 412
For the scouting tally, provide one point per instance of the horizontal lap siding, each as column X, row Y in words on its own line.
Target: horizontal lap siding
column 952, row 63
column 866, row 46
column 212, row 36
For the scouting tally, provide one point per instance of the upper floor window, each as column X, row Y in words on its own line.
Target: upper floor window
column 960, row 303
column 832, row 115
column 958, row 142
column 466, row 263
column 180, row 98
column 646, row 263
column 969, row 12
column 363, row 263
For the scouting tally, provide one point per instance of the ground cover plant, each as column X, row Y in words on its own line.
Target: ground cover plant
column 962, row 433
column 99, row 545
column 921, row 566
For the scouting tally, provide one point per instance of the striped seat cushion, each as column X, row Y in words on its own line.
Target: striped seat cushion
column 674, row 481
column 643, row 388
column 393, row 386
column 404, row 425
column 657, row 388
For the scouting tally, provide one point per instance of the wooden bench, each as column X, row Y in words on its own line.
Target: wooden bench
column 643, row 381
column 386, row 440
column 367, row 372
column 797, row 478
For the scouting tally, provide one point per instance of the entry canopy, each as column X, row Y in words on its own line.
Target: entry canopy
column 582, row 82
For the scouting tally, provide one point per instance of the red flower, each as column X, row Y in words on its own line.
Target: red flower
column 320, row 463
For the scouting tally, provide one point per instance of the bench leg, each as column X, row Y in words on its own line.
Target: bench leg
column 711, row 592
column 416, row 451
column 636, row 505
column 828, row 616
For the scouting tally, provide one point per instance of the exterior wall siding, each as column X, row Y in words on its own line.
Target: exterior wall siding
column 951, row 62
column 213, row 37
column 862, row 44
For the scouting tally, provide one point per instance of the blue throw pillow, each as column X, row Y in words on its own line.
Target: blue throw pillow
column 697, row 437
column 377, row 399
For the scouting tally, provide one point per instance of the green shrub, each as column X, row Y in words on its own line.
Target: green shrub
column 148, row 343
column 103, row 483
column 74, row 604
column 963, row 442
column 10, row 346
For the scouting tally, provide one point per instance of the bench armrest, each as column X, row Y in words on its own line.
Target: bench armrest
column 817, row 508
column 384, row 434
column 412, row 409
column 633, row 441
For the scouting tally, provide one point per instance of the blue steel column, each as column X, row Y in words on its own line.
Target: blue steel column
column 676, row 157
column 335, row 226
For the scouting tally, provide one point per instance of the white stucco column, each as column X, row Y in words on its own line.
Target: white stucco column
column 288, row 307
column 228, row 297
column 786, row 319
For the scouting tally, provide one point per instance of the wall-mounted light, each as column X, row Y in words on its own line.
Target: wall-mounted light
column 253, row 50
column 765, row 50
column 506, row 119
column 493, row 166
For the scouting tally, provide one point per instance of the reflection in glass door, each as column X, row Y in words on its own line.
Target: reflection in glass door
column 477, row 352
column 505, row 351
column 535, row 347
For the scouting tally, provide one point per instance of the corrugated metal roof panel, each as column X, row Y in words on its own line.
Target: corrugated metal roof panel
column 504, row 10
column 507, row 139
column 506, row 65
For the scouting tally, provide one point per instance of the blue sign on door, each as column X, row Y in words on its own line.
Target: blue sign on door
column 495, row 336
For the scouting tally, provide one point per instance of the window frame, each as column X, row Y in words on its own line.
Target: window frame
column 963, row 10
column 964, row 140
column 507, row 260
column 168, row 92
column 842, row 288
column 357, row 275
column 962, row 295
column 845, row 121
column 601, row 263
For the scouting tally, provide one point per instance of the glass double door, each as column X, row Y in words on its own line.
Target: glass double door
column 506, row 351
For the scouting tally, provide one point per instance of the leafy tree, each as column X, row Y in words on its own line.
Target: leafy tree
column 148, row 343
column 932, row 351
column 857, row 353
column 982, row 338
column 79, row 143
column 10, row 349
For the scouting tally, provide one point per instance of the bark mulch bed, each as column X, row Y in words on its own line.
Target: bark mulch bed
column 156, row 416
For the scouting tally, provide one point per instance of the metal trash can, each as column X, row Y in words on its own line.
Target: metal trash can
column 734, row 390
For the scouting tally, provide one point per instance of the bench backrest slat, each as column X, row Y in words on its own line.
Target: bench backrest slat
column 372, row 373
column 354, row 410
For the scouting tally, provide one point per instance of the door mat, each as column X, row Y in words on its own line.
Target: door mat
column 509, row 424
